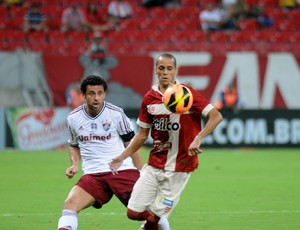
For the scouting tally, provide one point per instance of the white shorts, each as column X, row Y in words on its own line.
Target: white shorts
column 157, row 190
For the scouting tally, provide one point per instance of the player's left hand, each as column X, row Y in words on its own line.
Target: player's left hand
column 194, row 148
column 115, row 164
column 194, row 151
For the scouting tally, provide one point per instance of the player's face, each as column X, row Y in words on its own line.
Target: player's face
column 165, row 70
column 94, row 97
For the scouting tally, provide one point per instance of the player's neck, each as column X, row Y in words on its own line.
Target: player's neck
column 91, row 112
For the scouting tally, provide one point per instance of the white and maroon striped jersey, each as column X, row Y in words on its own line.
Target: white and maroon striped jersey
column 172, row 133
column 99, row 138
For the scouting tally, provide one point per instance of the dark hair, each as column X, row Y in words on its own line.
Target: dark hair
column 92, row 80
column 167, row 55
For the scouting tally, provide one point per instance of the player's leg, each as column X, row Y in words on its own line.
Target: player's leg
column 122, row 184
column 77, row 200
column 142, row 196
column 168, row 193
column 91, row 189
column 163, row 223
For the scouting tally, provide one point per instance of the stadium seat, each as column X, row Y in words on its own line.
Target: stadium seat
column 288, row 25
column 268, row 3
column 57, row 37
column 192, row 36
column 293, row 14
column 131, row 24
column 292, row 37
column 3, row 11
column 140, row 13
column 18, row 12
column 158, row 12
column 248, row 24
column 14, row 23
column 238, row 36
column 15, row 36
column 149, row 36
column 122, row 36
column 77, row 37
column 278, row 37
column 218, row 36
column 275, row 13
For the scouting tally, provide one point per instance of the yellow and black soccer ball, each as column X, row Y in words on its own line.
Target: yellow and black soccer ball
column 178, row 98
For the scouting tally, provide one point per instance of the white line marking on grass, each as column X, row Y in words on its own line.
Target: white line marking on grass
column 174, row 214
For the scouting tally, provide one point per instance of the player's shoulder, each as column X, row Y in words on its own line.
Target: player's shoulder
column 76, row 111
column 113, row 108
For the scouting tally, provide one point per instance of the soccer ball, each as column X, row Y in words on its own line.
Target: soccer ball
column 178, row 98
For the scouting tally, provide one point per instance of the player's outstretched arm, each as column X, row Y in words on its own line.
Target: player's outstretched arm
column 135, row 144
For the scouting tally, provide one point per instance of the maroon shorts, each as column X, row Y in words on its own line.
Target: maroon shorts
column 102, row 186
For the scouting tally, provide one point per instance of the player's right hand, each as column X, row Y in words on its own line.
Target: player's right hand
column 71, row 171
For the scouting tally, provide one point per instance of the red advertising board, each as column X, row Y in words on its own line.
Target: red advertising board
column 263, row 81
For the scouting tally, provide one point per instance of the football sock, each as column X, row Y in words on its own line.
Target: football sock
column 164, row 223
column 68, row 220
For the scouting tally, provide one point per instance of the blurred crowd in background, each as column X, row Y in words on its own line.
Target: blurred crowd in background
column 143, row 25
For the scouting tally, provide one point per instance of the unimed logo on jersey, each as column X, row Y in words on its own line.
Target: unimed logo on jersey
column 164, row 124
column 92, row 137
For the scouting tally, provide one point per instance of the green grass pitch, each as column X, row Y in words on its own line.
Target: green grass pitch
column 233, row 189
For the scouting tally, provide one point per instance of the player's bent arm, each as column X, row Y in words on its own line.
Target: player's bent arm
column 136, row 143
column 137, row 159
column 214, row 118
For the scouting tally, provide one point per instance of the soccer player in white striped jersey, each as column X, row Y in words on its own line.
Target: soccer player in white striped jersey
column 176, row 145
column 99, row 131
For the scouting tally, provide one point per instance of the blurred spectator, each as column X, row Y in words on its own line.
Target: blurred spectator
column 228, row 3
column 211, row 18
column 288, row 4
column 264, row 20
column 161, row 3
column 74, row 96
column 227, row 20
column 173, row 4
column 73, row 19
column 97, row 19
column 14, row 2
column 97, row 50
column 35, row 20
column 96, row 59
column 229, row 98
column 120, row 9
column 241, row 9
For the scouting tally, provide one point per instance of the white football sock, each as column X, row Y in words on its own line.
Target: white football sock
column 68, row 219
column 164, row 223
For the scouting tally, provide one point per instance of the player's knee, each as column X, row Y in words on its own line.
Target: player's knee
column 71, row 204
column 134, row 215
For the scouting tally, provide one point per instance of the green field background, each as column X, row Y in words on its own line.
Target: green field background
column 233, row 189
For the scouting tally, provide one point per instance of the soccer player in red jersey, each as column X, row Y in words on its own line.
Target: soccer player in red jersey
column 176, row 143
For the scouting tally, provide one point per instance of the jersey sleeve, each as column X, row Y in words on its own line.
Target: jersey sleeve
column 144, row 119
column 124, row 126
column 72, row 141
column 200, row 104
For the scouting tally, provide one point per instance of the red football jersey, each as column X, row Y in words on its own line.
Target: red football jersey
column 172, row 133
